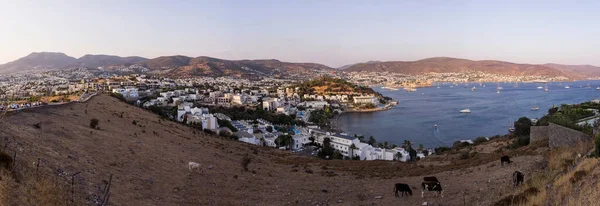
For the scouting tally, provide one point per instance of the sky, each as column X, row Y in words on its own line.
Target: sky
column 331, row 32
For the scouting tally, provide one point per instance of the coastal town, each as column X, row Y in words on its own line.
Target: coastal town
column 290, row 114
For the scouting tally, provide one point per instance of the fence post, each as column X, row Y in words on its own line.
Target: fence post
column 107, row 192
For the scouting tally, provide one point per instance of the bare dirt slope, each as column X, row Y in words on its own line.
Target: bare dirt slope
column 149, row 163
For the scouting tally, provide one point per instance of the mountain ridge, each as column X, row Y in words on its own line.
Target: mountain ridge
column 185, row 66
column 458, row 65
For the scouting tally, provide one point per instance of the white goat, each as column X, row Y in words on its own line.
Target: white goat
column 194, row 165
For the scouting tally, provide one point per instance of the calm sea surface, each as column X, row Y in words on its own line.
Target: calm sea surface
column 491, row 113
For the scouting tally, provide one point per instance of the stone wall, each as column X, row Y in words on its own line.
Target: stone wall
column 538, row 133
column 558, row 136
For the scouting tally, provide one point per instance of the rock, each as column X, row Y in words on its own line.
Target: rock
column 424, row 203
column 378, row 197
column 324, row 191
column 339, row 201
column 210, row 167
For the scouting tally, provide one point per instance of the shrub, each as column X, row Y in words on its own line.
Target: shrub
column 134, row 122
column 94, row 123
column 464, row 155
column 440, row 150
column 5, row 161
column 37, row 125
column 245, row 162
column 480, row 140
column 578, row 176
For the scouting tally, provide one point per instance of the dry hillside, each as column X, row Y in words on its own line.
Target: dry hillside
column 149, row 158
column 454, row 65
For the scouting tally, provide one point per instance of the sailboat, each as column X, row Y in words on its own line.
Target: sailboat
column 535, row 108
column 498, row 92
column 511, row 127
column 473, row 89
column 546, row 89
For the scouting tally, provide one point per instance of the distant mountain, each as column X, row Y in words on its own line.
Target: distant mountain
column 53, row 60
column 454, row 65
column 38, row 61
column 581, row 71
column 94, row 61
column 350, row 65
column 182, row 66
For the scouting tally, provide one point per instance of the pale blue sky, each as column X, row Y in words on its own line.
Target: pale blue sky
column 329, row 32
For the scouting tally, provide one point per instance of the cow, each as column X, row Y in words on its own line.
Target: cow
column 504, row 159
column 403, row 188
column 518, row 177
column 433, row 185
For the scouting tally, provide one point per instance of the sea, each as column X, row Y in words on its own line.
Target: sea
column 492, row 113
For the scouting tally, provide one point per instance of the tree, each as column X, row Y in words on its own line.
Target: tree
column 283, row 141
column 352, row 148
column 270, row 129
column 94, row 123
column 371, row 141
column 385, row 144
column 413, row 154
column 398, row 156
column 327, row 151
column 407, row 145
column 421, row 147
column 523, row 126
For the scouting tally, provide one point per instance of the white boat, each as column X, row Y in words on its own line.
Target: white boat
column 473, row 89
column 498, row 92
column 567, row 87
column 534, row 121
column 435, row 126
column 597, row 88
column 467, row 110
column 540, row 87
column 499, row 88
column 535, row 108
column 511, row 129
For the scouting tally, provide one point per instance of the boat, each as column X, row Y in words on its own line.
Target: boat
column 498, row 92
column 499, row 88
column 540, row 87
column 408, row 89
column 597, row 88
column 451, row 86
column 435, row 126
column 534, row 121
column 535, row 108
column 467, row 110
column 511, row 129
column 473, row 89
column 567, row 87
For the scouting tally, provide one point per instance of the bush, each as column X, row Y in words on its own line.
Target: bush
column 523, row 126
column 245, row 162
column 134, row 122
column 6, row 161
column 94, row 123
column 464, row 155
column 440, row 150
column 480, row 140
column 37, row 125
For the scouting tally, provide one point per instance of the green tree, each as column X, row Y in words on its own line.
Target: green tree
column 386, row 144
column 352, row 148
column 283, row 141
column 398, row 156
column 371, row 141
column 413, row 154
column 421, row 147
column 327, row 151
column 523, row 126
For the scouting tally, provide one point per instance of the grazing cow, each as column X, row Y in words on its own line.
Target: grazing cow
column 403, row 188
column 518, row 178
column 504, row 159
column 194, row 166
column 433, row 185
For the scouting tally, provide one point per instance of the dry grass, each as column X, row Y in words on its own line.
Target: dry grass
column 28, row 188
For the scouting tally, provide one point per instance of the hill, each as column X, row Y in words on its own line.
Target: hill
column 581, row 71
column 171, row 66
column 454, row 65
column 148, row 160
column 181, row 66
column 94, row 61
column 38, row 61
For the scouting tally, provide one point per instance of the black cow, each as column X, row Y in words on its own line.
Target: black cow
column 403, row 188
column 431, row 184
column 518, row 178
column 504, row 159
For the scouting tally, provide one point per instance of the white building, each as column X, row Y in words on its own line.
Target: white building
column 239, row 99
column 365, row 100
